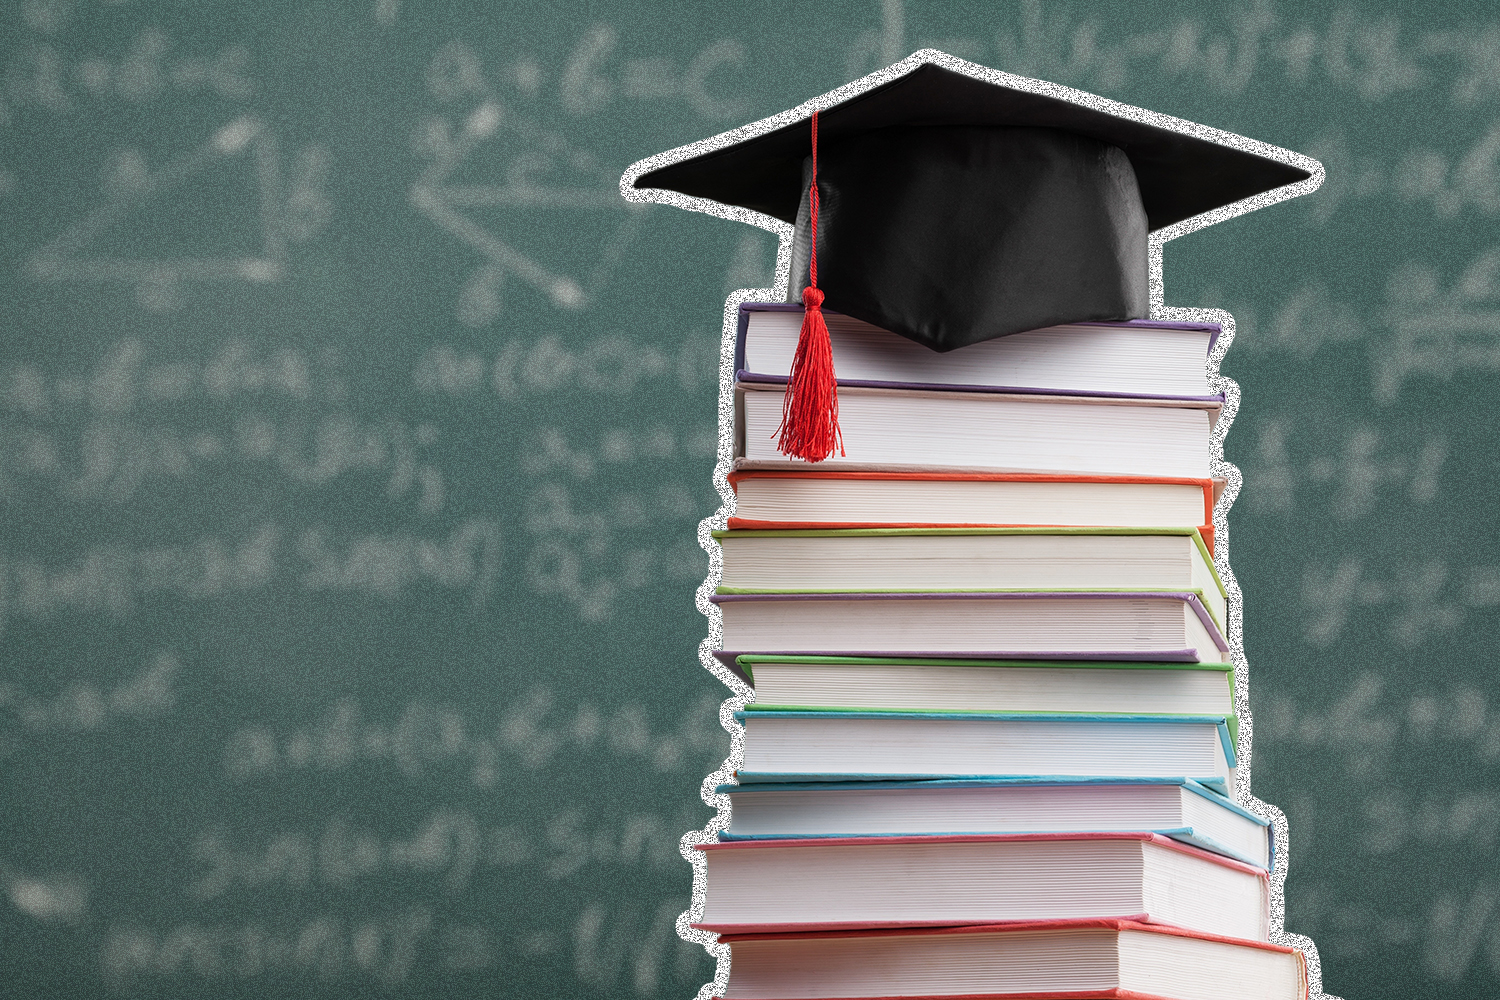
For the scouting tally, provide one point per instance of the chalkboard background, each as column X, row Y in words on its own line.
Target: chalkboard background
column 355, row 432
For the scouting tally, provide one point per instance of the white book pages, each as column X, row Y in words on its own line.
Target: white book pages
column 1234, row 833
column 938, row 501
column 1194, row 969
column 800, row 743
column 929, row 965
column 945, row 808
column 935, row 882
column 950, row 808
column 1060, row 688
column 1135, row 360
column 979, row 562
column 927, row 883
column 1002, row 433
column 1187, row 890
column 1063, row 960
column 1080, row 625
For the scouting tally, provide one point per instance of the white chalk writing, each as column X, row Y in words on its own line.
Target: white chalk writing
column 426, row 736
column 1414, row 599
column 451, row 846
column 127, row 378
column 1349, row 480
column 618, row 364
column 46, row 75
column 113, row 579
column 1366, row 725
column 114, row 461
column 86, row 705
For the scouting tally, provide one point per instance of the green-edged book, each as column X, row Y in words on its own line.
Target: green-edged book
column 990, row 560
column 897, row 684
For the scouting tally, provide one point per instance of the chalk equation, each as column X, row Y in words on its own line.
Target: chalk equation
column 616, row 364
column 450, row 848
column 1347, row 477
column 150, row 692
column 533, row 735
column 1368, row 724
column 117, row 461
column 615, row 448
column 130, row 376
column 1447, row 182
column 1234, row 49
column 1431, row 329
column 634, row 947
column 1440, row 329
column 115, row 579
column 49, row 72
column 1412, row 600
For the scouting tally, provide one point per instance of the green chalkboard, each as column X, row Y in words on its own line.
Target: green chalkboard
column 354, row 434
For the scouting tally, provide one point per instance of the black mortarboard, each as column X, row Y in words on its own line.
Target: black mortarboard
column 956, row 209
column 955, row 204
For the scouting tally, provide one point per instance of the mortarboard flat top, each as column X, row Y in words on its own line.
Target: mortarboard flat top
column 956, row 203
column 1180, row 175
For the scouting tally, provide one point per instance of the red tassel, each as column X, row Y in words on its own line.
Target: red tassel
column 810, row 409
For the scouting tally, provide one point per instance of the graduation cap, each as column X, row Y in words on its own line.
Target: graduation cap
column 952, row 204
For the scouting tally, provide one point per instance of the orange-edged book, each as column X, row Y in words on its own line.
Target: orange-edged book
column 836, row 498
column 1116, row 959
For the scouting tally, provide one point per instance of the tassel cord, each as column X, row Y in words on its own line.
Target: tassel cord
column 810, row 409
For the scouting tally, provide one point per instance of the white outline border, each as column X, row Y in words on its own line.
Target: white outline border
column 1159, row 310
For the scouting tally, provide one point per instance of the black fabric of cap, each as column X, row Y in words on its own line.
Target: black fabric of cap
column 1180, row 176
column 952, row 236
column 953, row 211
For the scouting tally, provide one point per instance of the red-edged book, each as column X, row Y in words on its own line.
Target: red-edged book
column 775, row 886
column 1120, row 959
column 831, row 498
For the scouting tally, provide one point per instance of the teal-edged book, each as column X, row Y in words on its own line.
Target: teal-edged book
column 1179, row 808
column 988, row 560
column 865, row 746
column 912, row 684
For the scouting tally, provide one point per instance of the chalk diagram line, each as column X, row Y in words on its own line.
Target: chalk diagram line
column 161, row 280
column 449, row 205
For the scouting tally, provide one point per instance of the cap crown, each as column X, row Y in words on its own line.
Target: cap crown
column 1028, row 245
column 952, row 235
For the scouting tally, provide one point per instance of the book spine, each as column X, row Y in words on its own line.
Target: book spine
column 739, row 340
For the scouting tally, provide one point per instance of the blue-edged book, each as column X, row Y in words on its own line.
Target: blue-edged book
column 861, row 746
column 1179, row 808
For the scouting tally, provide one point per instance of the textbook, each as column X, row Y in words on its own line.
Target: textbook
column 1131, row 358
column 1178, row 808
column 917, row 430
column 977, row 559
column 770, row 886
column 818, row 498
column 1161, row 626
column 955, row 685
column 1121, row 959
column 843, row 746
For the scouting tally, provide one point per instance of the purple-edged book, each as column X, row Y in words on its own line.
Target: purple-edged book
column 1161, row 626
column 1140, row 358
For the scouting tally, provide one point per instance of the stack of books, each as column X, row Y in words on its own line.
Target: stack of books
column 992, row 747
